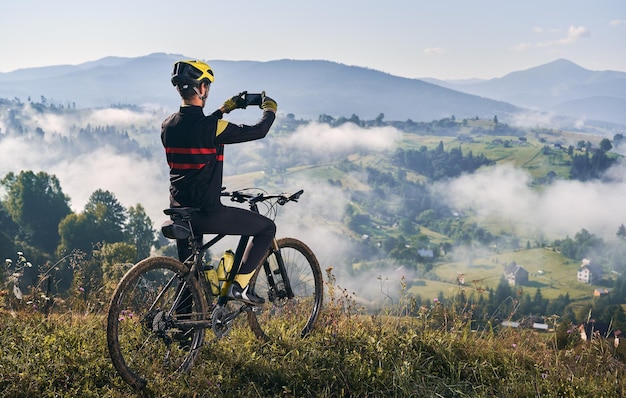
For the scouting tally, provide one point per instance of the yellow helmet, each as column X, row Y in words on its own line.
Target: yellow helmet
column 191, row 73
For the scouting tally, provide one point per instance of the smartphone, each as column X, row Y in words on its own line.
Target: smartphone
column 253, row 99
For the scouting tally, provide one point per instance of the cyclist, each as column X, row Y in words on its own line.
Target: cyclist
column 194, row 148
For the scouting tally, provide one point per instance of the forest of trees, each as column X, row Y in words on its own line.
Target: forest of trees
column 437, row 163
column 36, row 221
column 586, row 167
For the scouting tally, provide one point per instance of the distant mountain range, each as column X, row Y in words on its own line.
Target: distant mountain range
column 311, row 88
column 560, row 86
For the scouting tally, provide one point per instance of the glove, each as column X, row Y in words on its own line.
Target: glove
column 268, row 104
column 235, row 102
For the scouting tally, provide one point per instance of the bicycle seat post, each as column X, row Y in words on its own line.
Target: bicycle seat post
column 193, row 245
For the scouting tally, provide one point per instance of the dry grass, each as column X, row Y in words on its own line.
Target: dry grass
column 432, row 353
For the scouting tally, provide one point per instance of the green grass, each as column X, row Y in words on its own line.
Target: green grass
column 557, row 276
column 430, row 354
column 429, row 289
column 528, row 155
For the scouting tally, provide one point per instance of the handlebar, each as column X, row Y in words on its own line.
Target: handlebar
column 281, row 199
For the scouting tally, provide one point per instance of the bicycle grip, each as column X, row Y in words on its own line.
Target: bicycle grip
column 296, row 195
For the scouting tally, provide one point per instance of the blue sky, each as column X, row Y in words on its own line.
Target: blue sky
column 445, row 39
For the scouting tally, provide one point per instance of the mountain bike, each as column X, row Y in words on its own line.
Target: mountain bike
column 161, row 308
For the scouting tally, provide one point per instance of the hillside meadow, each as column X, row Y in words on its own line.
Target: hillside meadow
column 432, row 353
column 548, row 271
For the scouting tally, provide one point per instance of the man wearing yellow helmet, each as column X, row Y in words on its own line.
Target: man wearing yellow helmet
column 194, row 147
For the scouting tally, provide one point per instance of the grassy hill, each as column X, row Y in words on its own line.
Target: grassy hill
column 431, row 354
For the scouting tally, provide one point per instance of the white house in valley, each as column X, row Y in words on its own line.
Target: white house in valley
column 588, row 272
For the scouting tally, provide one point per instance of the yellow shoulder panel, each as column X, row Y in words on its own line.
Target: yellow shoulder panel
column 221, row 126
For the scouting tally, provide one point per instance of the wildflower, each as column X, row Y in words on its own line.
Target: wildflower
column 82, row 289
column 514, row 345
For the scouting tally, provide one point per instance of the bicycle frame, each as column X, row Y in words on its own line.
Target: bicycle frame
column 196, row 269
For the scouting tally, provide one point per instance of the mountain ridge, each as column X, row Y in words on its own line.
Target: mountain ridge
column 310, row 88
column 559, row 86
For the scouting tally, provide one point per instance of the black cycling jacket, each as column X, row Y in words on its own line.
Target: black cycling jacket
column 194, row 147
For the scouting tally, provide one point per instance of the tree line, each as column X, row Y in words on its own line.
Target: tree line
column 37, row 223
column 437, row 164
column 587, row 167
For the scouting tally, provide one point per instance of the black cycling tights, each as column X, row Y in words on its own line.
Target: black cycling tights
column 234, row 221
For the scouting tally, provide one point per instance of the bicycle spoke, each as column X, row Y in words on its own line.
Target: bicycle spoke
column 283, row 315
column 146, row 323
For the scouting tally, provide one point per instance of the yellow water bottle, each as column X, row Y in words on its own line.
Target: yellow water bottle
column 225, row 265
column 211, row 277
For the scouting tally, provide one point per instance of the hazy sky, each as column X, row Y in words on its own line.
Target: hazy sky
column 446, row 39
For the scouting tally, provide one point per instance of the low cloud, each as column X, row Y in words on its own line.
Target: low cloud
column 534, row 119
column 321, row 138
column 559, row 210
column 132, row 178
column 67, row 121
column 550, row 120
column 121, row 118
column 573, row 34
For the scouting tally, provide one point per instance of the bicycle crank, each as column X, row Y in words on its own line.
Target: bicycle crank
column 221, row 321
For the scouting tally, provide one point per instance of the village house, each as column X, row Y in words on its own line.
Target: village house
column 588, row 273
column 600, row 292
column 515, row 274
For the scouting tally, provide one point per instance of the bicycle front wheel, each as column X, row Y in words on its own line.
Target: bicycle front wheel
column 290, row 281
column 153, row 323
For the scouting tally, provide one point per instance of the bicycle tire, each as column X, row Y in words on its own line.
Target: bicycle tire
column 144, row 341
column 281, row 316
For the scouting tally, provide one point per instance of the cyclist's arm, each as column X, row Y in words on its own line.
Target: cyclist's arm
column 230, row 133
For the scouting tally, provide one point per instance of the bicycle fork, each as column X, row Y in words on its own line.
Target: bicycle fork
column 277, row 279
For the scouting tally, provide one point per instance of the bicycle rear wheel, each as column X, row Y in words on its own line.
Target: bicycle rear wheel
column 153, row 321
column 283, row 315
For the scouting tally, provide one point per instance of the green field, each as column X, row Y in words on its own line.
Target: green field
column 537, row 153
column 548, row 271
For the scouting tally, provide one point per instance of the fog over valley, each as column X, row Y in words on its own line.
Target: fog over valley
column 119, row 150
